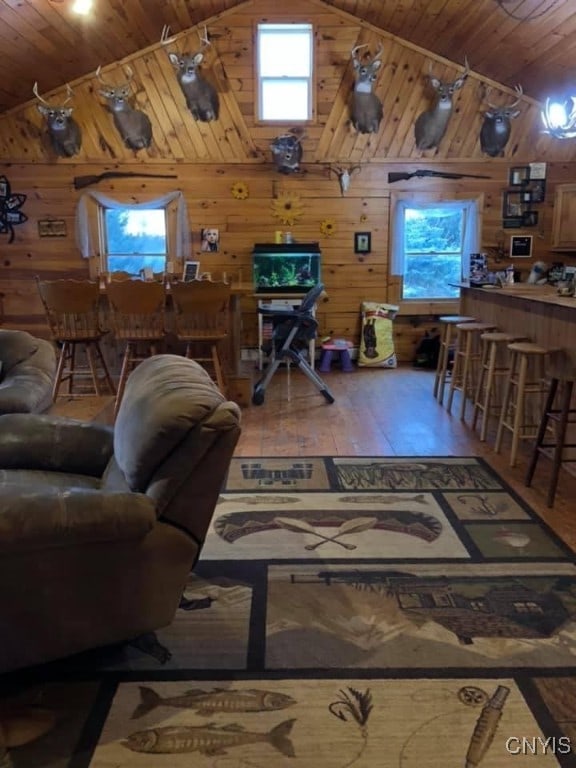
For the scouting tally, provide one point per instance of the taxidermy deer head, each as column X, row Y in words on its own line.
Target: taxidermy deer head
column 431, row 125
column 366, row 108
column 344, row 176
column 133, row 125
column 496, row 127
column 287, row 152
column 64, row 131
column 201, row 96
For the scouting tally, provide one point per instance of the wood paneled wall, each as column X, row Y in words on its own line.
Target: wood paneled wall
column 208, row 158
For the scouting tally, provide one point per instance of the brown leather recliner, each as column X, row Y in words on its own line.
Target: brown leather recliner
column 100, row 526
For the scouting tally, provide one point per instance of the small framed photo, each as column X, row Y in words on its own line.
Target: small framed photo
column 210, row 239
column 519, row 175
column 4, row 187
column 191, row 269
column 516, row 202
column 538, row 189
column 530, row 219
column 521, row 246
column 362, row 242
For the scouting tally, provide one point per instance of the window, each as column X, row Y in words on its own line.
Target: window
column 285, row 71
column 134, row 240
column 432, row 246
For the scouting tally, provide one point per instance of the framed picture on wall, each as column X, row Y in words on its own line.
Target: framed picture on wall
column 521, row 246
column 191, row 270
column 362, row 242
column 519, row 175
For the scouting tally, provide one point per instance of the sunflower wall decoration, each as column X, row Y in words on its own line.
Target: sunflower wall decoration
column 239, row 190
column 328, row 227
column 287, row 208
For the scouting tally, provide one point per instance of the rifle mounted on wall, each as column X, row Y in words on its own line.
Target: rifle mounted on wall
column 81, row 182
column 392, row 177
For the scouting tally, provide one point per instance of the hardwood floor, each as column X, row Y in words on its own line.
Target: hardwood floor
column 377, row 412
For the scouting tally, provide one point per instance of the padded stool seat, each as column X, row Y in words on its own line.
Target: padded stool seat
column 525, row 387
column 466, row 362
column 447, row 336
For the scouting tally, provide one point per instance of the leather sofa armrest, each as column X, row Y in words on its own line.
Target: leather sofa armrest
column 40, row 520
column 34, row 441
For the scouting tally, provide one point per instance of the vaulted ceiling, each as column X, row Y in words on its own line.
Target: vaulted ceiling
column 531, row 42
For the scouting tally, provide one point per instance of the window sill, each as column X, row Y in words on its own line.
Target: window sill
column 431, row 307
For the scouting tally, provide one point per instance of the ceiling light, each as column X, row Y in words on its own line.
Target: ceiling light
column 559, row 117
column 82, row 7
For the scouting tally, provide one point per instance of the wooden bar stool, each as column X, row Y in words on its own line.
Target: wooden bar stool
column 447, row 336
column 494, row 365
column 562, row 377
column 523, row 395
column 466, row 362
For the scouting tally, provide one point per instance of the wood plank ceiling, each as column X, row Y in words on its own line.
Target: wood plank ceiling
column 532, row 42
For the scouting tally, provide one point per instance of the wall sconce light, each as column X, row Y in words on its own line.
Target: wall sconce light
column 559, row 117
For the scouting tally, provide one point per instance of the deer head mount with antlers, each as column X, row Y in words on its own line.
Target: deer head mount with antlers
column 496, row 126
column 201, row 96
column 365, row 108
column 133, row 125
column 431, row 125
column 63, row 130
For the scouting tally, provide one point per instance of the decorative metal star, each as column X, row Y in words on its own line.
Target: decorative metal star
column 10, row 204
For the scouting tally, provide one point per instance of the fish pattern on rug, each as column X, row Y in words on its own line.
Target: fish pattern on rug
column 353, row 611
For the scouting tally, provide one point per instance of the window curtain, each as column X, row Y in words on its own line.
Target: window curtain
column 470, row 240
column 84, row 239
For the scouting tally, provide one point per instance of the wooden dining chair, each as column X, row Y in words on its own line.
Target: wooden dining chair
column 201, row 319
column 137, row 318
column 73, row 312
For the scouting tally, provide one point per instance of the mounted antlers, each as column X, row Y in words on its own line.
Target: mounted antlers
column 366, row 108
column 496, row 127
column 431, row 125
column 133, row 125
column 63, row 130
column 344, row 176
column 201, row 96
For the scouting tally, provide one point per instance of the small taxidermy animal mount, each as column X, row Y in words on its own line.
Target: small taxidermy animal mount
column 287, row 152
column 344, row 176
column 201, row 96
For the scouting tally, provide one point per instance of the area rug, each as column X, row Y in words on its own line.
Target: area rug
column 351, row 611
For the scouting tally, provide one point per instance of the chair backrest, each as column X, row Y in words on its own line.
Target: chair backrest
column 201, row 305
column 120, row 274
column 137, row 309
column 72, row 308
column 307, row 303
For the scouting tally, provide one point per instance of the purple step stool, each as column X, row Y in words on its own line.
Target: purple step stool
column 341, row 348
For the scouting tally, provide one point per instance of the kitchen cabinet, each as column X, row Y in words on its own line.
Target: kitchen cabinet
column 564, row 219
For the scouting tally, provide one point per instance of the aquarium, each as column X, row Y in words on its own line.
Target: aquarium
column 285, row 268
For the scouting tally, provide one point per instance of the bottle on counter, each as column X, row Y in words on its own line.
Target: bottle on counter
column 510, row 275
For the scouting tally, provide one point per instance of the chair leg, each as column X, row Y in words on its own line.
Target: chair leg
column 560, row 438
column 465, row 376
column 123, row 376
column 541, row 431
column 59, row 369
column 218, row 368
column 102, row 360
column 505, row 403
column 519, row 414
column 92, row 366
column 490, row 381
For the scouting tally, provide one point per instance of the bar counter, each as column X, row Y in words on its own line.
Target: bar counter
column 536, row 311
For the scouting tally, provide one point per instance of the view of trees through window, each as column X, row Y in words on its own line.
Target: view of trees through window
column 433, row 242
column 135, row 239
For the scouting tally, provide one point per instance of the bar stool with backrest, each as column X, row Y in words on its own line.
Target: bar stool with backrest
column 201, row 317
column 557, row 416
column 447, row 338
column 466, row 363
column 494, row 367
column 73, row 312
column 523, row 395
column 137, row 316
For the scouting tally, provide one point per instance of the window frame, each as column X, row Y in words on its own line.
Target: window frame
column 105, row 252
column 425, row 306
column 311, row 79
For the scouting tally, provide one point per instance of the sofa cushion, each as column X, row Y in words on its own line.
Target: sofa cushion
column 162, row 404
column 15, row 348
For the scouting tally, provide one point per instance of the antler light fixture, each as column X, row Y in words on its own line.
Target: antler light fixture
column 559, row 117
